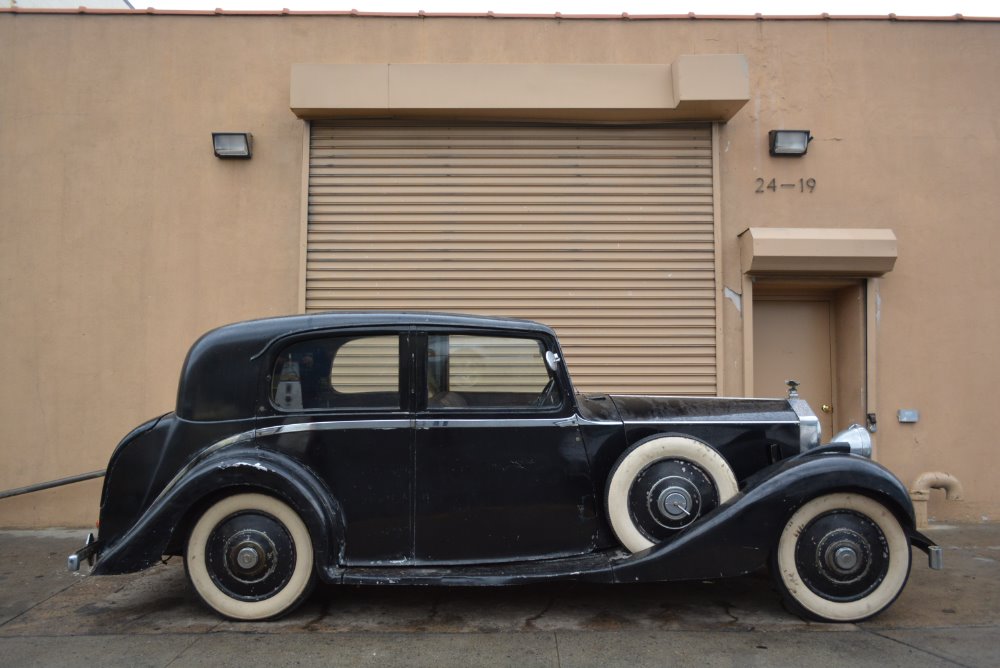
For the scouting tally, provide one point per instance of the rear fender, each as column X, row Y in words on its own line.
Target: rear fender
column 242, row 469
column 738, row 536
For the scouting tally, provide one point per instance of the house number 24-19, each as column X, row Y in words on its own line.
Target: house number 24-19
column 802, row 185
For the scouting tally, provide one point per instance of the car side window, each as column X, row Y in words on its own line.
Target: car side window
column 338, row 372
column 476, row 371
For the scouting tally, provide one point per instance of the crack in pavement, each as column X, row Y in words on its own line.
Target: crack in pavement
column 914, row 647
column 32, row 607
column 184, row 650
column 529, row 623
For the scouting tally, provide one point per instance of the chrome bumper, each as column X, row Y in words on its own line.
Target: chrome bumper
column 935, row 557
column 86, row 553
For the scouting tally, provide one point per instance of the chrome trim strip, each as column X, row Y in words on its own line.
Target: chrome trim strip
column 598, row 423
column 689, row 420
column 335, row 425
column 682, row 421
column 428, row 423
column 697, row 396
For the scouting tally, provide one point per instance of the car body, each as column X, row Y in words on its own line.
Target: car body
column 422, row 448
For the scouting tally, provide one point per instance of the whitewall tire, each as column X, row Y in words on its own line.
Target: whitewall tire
column 842, row 557
column 250, row 557
column 663, row 484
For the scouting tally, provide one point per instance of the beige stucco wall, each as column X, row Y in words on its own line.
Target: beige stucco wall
column 122, row 237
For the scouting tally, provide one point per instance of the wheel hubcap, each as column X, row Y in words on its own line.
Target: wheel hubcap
column 842, row 555
column 674, row 503
column 668, row 496
column 843, row 559
column 250, row 556
column 247, row 557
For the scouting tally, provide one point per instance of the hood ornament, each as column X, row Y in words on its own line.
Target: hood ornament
column 793, row 389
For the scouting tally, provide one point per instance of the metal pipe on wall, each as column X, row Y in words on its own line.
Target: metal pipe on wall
column 38, row 487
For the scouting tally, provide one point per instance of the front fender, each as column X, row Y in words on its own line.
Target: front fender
column 238, row 469
column 738, row 536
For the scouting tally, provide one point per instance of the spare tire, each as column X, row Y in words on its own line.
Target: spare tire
column 661, row 485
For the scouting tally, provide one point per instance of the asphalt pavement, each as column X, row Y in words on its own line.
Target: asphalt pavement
column 49, row 617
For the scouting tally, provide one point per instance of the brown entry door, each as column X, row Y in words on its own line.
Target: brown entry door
column 792, row 339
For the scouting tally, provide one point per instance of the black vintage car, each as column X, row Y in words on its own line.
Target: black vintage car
column 415, row 448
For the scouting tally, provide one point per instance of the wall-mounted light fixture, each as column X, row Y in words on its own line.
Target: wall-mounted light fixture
column 233, row 145
column 788, row 142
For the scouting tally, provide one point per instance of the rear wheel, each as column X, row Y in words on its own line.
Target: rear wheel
column 842, row 558
column 250, row 557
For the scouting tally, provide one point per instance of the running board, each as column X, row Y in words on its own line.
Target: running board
column 591, row 568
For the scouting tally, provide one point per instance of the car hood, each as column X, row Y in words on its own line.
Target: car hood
column 687, row 410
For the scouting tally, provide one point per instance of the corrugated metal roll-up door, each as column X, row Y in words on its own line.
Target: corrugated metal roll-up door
column 603, row 232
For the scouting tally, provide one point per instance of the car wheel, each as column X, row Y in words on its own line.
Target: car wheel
column 662, row 485
column 842, row 558
column 250, row 557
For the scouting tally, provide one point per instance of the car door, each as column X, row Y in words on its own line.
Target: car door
column 500, row 469
column 341, row 403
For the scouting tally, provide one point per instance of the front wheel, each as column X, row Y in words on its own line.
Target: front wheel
column 250, row 557
column 842, row 558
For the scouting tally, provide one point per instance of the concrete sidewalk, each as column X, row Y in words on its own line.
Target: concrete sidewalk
column 53, row 618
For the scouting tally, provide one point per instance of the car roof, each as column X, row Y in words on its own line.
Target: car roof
column 219, row 377
column 334, row 319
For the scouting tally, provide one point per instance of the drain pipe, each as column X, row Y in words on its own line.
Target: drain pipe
column 920, row 492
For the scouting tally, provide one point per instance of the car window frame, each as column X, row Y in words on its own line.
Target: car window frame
column 404, row 366
column 420, row 349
